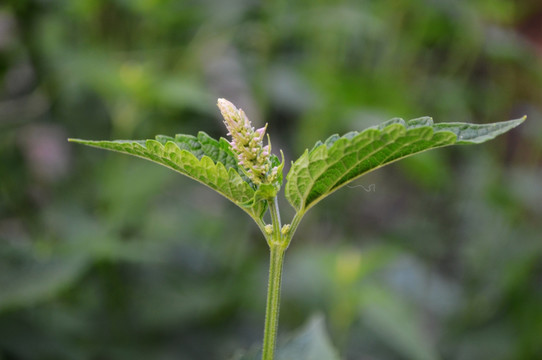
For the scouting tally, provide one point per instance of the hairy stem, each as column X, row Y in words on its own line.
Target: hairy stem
column 277, row 248
column 273, row 301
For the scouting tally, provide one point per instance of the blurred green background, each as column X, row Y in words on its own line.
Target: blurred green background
column 104, row 256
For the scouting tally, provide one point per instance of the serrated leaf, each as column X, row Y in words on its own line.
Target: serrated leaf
column 342, row 159
column 201, row 158
column 310, row 343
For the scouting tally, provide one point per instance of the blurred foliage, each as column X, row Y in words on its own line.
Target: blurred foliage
column 107, row 257
column 311, row 343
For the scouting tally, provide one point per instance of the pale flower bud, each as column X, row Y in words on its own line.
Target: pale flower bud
column 285, row 229
column 248, row 144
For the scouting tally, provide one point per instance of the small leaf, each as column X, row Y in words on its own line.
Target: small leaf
column 265, row 192
column 201, row 158
column 275, row 162
column 342, row 159
column 310, row 343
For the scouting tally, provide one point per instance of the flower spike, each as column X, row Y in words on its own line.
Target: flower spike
column 247, row 143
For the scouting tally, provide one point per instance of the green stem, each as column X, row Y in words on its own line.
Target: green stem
column 277, row 248
column 273, row 301
column 293, row 227
column 275, row 220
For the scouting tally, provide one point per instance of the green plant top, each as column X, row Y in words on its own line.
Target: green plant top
column 246, row 172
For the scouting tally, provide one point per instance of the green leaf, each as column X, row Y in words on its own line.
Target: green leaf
column 396, row 323
column 265, row 192
column 32, row 282
column 310, row 343
column 201, row 158
column 342, row 159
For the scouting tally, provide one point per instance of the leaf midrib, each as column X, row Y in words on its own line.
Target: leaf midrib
column 304, row 209
column 358, row 161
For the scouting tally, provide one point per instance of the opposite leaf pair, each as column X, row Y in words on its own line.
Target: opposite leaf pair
column 247, row 174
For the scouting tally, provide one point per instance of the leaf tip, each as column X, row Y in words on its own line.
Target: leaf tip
column 517, row 121
column 81, row 141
